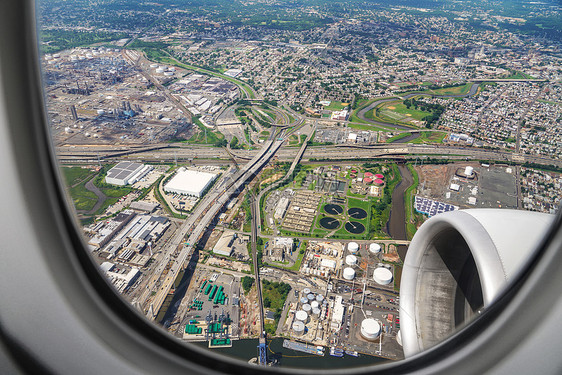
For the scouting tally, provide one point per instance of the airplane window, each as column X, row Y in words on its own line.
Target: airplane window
column 307, row 184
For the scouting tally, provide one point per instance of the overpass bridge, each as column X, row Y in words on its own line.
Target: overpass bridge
column 204, row 214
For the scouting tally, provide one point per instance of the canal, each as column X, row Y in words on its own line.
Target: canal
column 247, row 349
column 396, row 226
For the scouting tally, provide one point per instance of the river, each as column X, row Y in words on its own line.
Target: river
column 396, row 226
column 247, row 349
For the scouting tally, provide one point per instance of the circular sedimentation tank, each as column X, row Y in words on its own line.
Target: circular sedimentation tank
column 370, row 329
column 354, row 227
column 382, row 276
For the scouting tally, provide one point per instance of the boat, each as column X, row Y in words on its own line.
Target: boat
column 336, row 352
column 352, row 353
column 302, row 347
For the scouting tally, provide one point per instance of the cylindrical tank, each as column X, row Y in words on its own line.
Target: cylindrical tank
column 154, row 65
column 375, row 248
column 382, row 276
column 370, row 329
column 306, row 307
column 168, row 74
column 298, row 327
column 468, row 171
column 314, row 305
column 100, row 112
column 351, row 260
column 353, row 247
column 320, row 298
column 348, row 273
column 301, row 316
column 310, row 296
column 159, row 70
column 316, row 311
column 304, row 300
column 306, row 291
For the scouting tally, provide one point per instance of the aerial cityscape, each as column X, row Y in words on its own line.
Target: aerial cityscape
column 249, row 174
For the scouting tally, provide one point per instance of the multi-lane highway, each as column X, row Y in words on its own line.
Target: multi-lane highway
column 343, row 152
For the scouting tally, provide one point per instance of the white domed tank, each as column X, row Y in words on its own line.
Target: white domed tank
column 320, row 298
column 100, row 112
column 382, row 276
column 304, row 300
column 468, row 171
column 351, row 260
column 168, row 74
column 310, row 297
column 306, row 291
column 154, row 65
column 316, row 311
column 348, row 273
column 301, row 316
column 159, row 70
column 353, row 247
column 306, row 307
column 375, row 248
column 314, row 305
column 298, row 328
column 370, row 329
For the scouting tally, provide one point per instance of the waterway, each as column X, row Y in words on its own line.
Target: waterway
column 247, row 349
column 396, row 226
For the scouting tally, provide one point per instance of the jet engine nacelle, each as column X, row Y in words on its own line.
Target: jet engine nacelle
column 457, row 263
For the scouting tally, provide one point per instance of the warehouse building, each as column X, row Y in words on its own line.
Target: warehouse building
column 190, row 182
column 126, row 173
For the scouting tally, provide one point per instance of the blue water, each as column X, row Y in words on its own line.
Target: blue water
column 247, row 349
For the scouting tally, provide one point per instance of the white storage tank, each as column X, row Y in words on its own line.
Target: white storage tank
column 314, row 305
column 160, row 70
column 306, row 291
column 316, row 311
column 351, row 260
column 370, row 329
column 348, row 273
column 468, row 171
column 301, row 316
column 310, row 296
column 320, row 298
column 306, row 307
column 154, row 65
column 353, row 247
column 298, row 328
column 100, row 112
column 304, row 300
column 375, row 248
column 382, row 276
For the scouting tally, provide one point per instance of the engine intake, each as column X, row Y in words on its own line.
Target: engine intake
column 457, row 263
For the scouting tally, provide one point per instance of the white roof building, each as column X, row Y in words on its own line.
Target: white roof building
column 127, row 172
column 190, row 182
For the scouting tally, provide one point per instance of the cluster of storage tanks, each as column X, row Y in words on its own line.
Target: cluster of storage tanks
column 380, row 276
column 311, row 306
column 163, row 69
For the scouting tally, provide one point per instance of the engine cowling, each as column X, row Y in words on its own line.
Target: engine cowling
column 457, row 263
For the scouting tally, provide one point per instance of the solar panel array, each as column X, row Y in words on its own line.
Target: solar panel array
column 124, row 169
column 431, row 207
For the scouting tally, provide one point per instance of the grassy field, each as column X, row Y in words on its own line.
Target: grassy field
column 409, row 203
column 74, row 175
column 520, row 75
column 400, row 108
column 430, row 137
column 458, row 90
column 336, row 106
column 205, row 136
column 82, row 198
